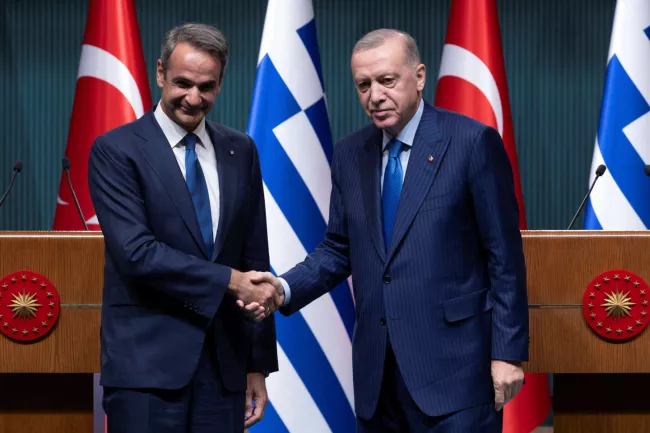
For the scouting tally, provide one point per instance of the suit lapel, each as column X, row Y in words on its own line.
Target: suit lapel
column 370, row 167
column 426, row 154
column 227, row 163
column 160, row 156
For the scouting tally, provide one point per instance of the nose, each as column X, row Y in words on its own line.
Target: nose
column 377, row 95
column 193, row 97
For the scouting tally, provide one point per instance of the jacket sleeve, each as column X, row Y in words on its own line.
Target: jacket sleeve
column 329, row 264
column 495, row 204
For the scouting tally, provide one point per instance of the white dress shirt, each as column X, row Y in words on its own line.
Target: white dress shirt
column 406, row 136
column 204, row 151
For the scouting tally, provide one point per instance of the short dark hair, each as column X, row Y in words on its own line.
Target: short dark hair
column 203, row 37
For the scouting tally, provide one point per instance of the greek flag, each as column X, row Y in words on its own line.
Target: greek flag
column 621, row 200
column 312, row 392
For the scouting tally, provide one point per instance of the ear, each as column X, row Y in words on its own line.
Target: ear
column 160, row 74
column 420, row 76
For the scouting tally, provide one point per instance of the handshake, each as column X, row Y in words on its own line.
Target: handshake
column 258, row 294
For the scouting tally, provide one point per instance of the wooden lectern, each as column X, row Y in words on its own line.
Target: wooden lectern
column 46, row 386
column 599, row 386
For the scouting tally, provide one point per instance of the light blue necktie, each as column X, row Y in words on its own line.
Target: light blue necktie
column 392, row 187
column 199, row 190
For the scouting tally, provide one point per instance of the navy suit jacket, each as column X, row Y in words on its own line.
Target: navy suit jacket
column 162, row 295
column 449, row 291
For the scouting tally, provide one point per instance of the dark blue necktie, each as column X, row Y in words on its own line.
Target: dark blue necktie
column 392, row 187
column 198, row 190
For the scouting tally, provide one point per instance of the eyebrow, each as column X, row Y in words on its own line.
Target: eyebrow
column 379, row 77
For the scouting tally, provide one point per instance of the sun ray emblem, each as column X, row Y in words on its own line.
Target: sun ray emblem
column 618, row 304
column 621, row 305
column 24, row 305
column 29, row 306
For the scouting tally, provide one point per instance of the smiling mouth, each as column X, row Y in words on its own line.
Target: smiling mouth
column 190, row 110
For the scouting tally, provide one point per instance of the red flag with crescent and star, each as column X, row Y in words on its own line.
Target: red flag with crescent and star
column 472, row 81
column 112, row 89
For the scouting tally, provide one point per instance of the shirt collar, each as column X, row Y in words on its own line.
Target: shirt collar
column 174, row 132
column 407, row 134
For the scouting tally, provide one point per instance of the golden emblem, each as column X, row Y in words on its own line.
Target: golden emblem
column 24, row 305
column 618, row 304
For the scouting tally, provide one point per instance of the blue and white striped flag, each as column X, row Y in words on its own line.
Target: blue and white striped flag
column 621, row 200
column 312, row 392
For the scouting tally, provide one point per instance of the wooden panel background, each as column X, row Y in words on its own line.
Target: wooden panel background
column 73, row 262
column 560, row 265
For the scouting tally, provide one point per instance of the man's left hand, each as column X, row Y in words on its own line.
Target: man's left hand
column 255, row 393
column 507, row 378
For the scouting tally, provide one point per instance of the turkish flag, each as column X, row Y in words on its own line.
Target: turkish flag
column 472, row 81
column 112, row 89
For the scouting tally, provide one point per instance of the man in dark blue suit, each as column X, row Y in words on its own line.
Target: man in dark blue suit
column 423, row 215
column 181, row 207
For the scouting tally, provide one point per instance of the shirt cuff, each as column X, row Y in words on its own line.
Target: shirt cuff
column 287, row 291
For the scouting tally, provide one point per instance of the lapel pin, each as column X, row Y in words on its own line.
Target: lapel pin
column 430, row 159
column 232, row 152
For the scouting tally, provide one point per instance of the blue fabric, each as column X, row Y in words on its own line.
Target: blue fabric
column 392, row 187
column 397, row 412
column 202, row 406
column 198, row 190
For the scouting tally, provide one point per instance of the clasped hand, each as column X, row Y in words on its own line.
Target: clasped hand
column 258, row 294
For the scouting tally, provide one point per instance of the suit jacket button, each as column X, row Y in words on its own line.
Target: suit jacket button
column 382, row 321
column 387, row 279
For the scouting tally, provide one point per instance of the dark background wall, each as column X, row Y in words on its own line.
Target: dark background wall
column 555, row 52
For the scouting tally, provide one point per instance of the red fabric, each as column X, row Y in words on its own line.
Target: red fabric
column 474, row 26
column 473, row 43
column 100, row 106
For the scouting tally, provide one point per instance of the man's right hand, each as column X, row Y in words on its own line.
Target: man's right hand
column 258, row 295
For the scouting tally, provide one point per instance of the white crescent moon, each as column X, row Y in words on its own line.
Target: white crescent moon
column 98, row 63
column 101, row 64
column 462, row 63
